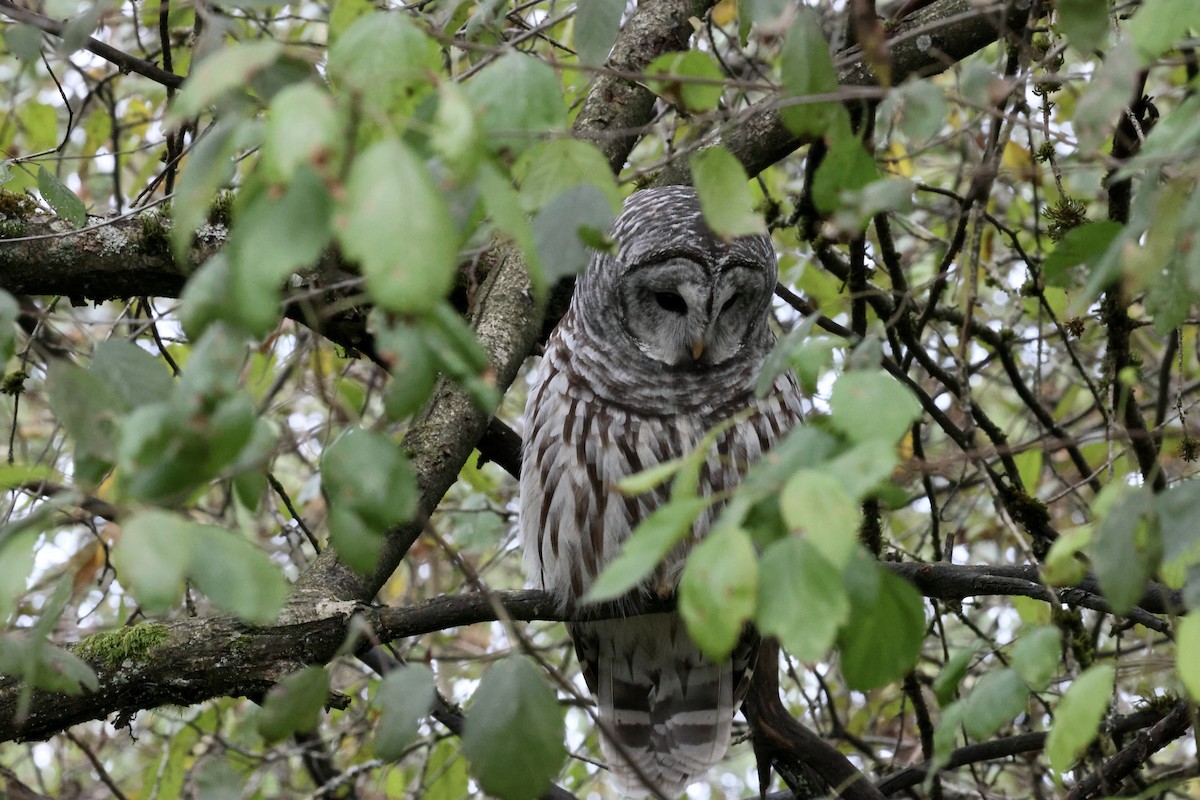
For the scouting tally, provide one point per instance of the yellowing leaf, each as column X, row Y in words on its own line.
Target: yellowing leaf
column 1077, row 718
column 1187, row 653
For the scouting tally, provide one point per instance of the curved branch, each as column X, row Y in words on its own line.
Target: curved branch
column 923, row 44
column 125, row 62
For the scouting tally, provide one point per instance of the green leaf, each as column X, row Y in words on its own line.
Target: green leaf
column 847, row 168
column 513, row 736
column 718, row 590
column 1077, row 717
column 1029, row 469
column 9, row 313
column 134, row 374
column 368, row 474
column 807, row 69
column 159, row 550
column 208, row 167
column 60, row 670
column 947, row 681
column 649, row 478
column 294, row 704
column 88, row 407
column 1187, row 652
column 23, row 41
column 1156, row 27
column 405, row 697
column 29, row 656
column 343, row 14
column 168, row 450
column 228, row 69
column 413, row 368
column 562, row 229
column 1035, row 657
column 204, row 299
column 458, row 353
column 813, row 502
column 153, row 558
column 596, row 26
column 517, row 99
column 882, row 639
column 550, row 168
column 215, row 778
column 505, row 210
column 40, row 123
column 996, row 699
column 801, row 600
column 864, row 467
column 1178, row 509
column 357, row 543
column 690, row 80
column 447, row 771
column 273, row 237
column 1082, row 245
column 645, row 547
column 302, row 129
column 1126, row 550
column 1065, row 565
column 456, row 136
column 724, row 191
column 391, row 197
column 922, row 107
column 236, row 576
column 870, row 404
column 1085, row 23
column 17, row 549
column 65, row 203
column 1169, row 296
column 381, row 57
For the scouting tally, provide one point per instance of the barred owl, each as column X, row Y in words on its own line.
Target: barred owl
column 663, row 340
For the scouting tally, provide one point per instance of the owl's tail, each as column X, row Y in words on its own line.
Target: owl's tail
column 668, row 707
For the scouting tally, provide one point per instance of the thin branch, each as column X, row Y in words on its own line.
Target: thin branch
column 125, row 62
column 1134, row 755
column 1006, row 747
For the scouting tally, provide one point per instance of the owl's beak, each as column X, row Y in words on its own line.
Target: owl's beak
column 697, row 349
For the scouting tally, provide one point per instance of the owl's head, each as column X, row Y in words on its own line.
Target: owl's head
column 681, row 295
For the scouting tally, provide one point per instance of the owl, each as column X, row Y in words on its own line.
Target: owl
column 664, row 340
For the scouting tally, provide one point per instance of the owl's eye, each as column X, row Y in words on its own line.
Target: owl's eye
column 670, row 301
column 729, row 304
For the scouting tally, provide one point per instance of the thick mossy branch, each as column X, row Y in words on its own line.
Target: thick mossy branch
column 114, row 648
column 198, row 659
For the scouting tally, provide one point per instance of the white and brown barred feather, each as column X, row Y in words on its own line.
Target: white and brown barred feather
column 603, row 406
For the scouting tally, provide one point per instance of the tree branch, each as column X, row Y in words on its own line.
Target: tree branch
column 208, row 657
column 1135, row 755
column 923, row 44
column 125, row 62
column 1005, row 747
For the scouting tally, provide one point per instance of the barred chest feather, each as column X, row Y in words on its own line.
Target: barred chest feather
column 580, row 444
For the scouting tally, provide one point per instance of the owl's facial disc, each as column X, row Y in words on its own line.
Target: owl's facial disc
column 677, row 314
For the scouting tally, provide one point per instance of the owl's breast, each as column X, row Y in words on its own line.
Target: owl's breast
column 580, row 446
